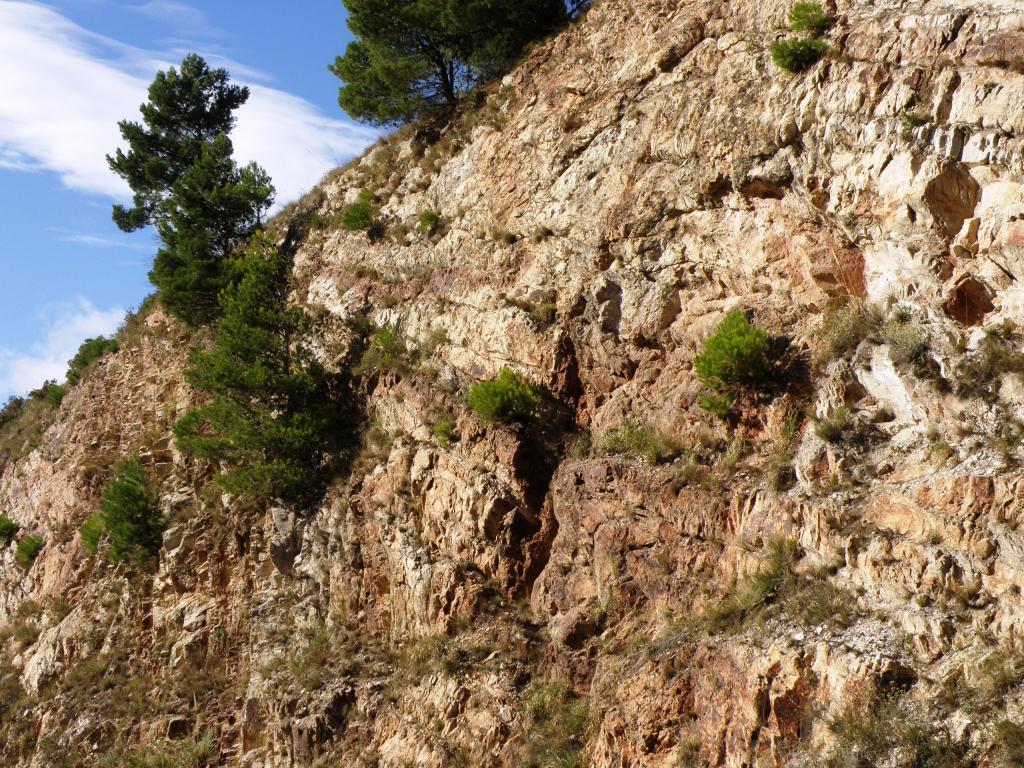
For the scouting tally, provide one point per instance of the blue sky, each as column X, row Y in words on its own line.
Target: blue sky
column 71, row 69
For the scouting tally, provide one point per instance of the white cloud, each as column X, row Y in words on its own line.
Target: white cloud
column 64, row 89
column 68, row 327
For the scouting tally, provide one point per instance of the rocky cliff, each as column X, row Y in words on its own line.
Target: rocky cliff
column 831, row 575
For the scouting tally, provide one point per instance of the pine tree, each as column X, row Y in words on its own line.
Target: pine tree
column 130, row 515
column 270, row 411
column 413, row 57
column 185, row 181
column 187, row 110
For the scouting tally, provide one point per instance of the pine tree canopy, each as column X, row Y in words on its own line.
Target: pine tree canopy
column 187, row 110
column 181, row 169
column 414, row 57
column 130, row 515
column 270, row 411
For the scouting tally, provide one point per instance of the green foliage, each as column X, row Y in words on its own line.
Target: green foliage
column 91, row 532
column 13, row 408
column 444, row 433
column 385, row 352
column 28, row 548
column 557, row 722
column 428, row 221
column 51, row 392
column 735, row 354
column 360, row 215
column 129, row 515
column 643, row 440
column 270, row 410
column 507, row 397
column 796, row 54
column 716, row 404
column 90, row 351
column 1010, row 738
column 8, row 529
column 180, row 169
column 910, row 121
column 777, row 588
column 412, row 58
column 809, row 17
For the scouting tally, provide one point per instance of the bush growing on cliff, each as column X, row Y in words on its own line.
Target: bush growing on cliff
column 129, row 515
column 91, row 532
column 413, row 58
column 360, row 215
column 8, row 529
column 385, row 352
column 28, row 549
column 735, row 356
column 796, row 55
column 90, row 351
column 13, row 408
column 508, row 397
column 270, row 410
column 809, row 17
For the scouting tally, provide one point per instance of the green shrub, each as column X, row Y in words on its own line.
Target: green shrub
column 385, row 352
column 749, row 595
column 428, row 221
column 508, row 397
column 642, row 440
column 796, row 55
column 444, row 433
column 809, row 17
column 28, row 548
column 1010, row 738
column 910, row 121
column 360, row 215
column 90, row 351
column 844, row 328
column 91, row 531
column 8, row 529
column 129, row 515
column 13, row 408
column 51, row 392
column 736, row 354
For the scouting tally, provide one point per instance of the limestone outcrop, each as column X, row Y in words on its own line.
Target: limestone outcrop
column 497, row 595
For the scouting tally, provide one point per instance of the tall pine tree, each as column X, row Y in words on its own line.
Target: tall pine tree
column 184, row 180
column 269, row 413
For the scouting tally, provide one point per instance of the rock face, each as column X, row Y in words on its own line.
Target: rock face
column 517, row 596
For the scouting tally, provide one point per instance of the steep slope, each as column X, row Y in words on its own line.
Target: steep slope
column 835, row 570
